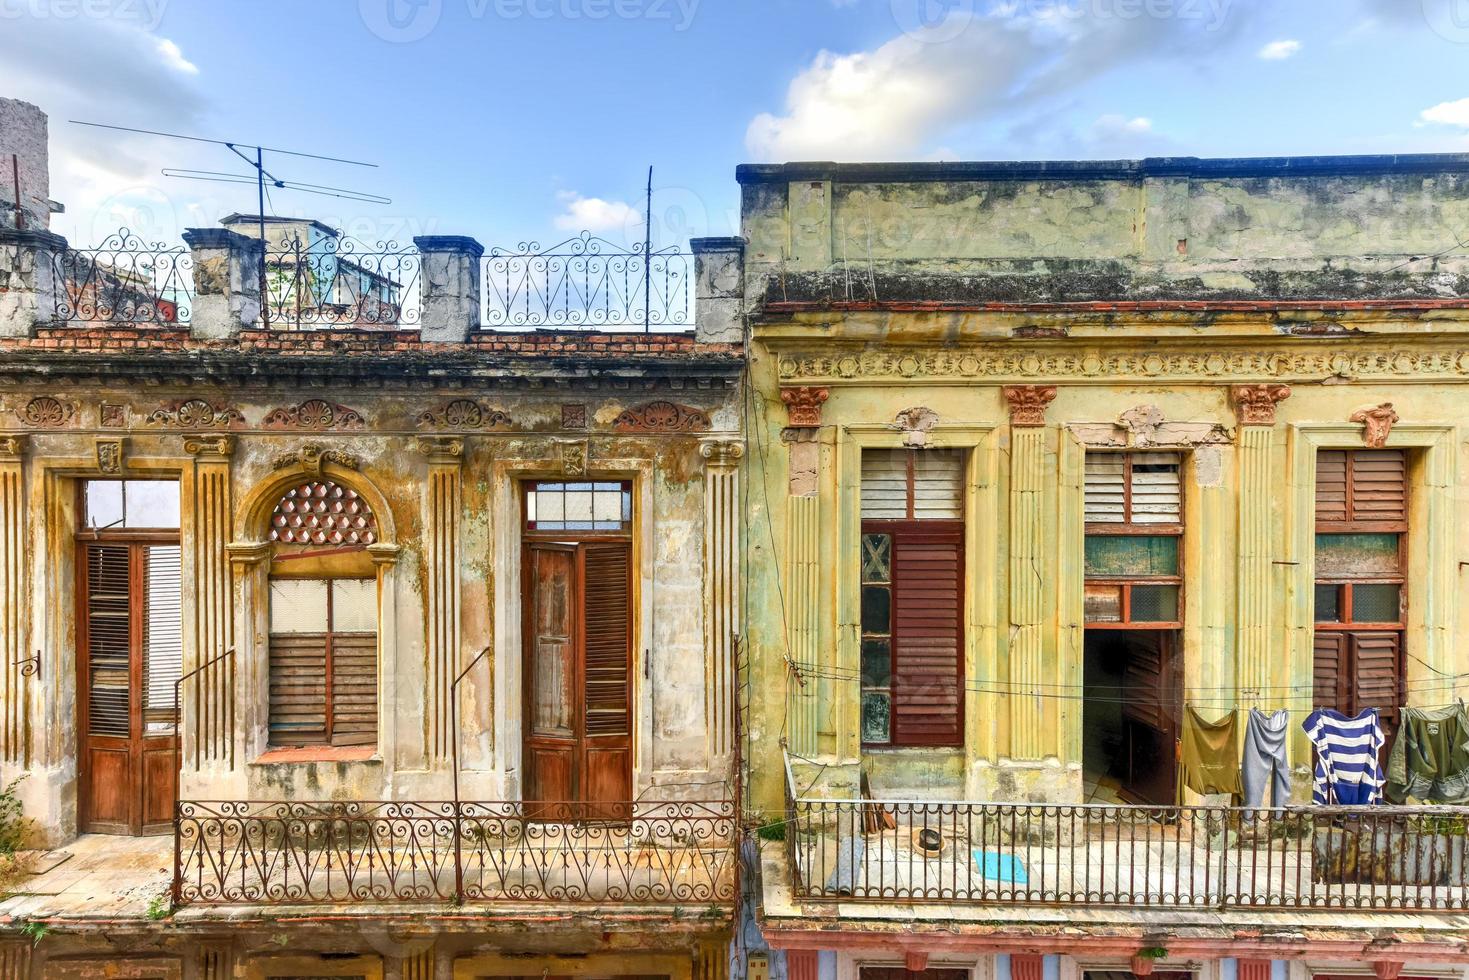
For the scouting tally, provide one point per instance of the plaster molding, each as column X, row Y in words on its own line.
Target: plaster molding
column 803, row 405
column 1256, row 404
column 47, row 412
column 662, row 416
column 383, row 553
column 109, row 453
column 1028, row 404
column 1378, row 424
column 13, row 446
column 915, row 424
column 722, row 453
column 315, row 415
column 246, row 554
column 573, row 416
column 573, row 458
column 311, row 457
column 209, row 447
column 196, row 413
column 463, row 413
column 112, row 416
column 442, row 450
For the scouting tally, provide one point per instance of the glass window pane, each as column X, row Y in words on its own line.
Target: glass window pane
column 877, row 663
column 151, row 503
column 1154, row 603
column 550, row 507
column 1376, row 603
column 877, row 710
column 163, row 638
column 876, row 609
column 877, row 557
column 298, row 605
column 552, row 671
column 1328, row 603
column 1108, row 555
column 104, row 503
column 1357, row 555
column 354, row 605
column 1103, row 603
column 579, row 507
column 607, row 507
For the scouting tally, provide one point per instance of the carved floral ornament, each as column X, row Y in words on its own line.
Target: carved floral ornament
column 109, row 456
column 803, row 406
column 196, row 413
column 315, row 415
column 1378, row 422
column 1256, row 403
column 574, row 458
column 46, row 412
column 662, row 416
column 311, row 458
column 463, row 413
column 916, row 424
column 1028, row 404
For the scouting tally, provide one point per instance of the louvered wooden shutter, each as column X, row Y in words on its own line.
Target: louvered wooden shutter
column 1145, row 683
column 607, row 626
column 1364, row 485
column 919, row 484
column 298, row 688
column 1133, row 488
column 1329, row 669
column 928, row 632
column 884, row 484
column 354, row 689
column 163, row 637
column 1377, row 666
column 109, row 640
column 1106, row 493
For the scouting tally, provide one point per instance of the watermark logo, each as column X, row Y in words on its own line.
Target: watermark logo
column 1449, row 19
column 401, row 21
column 147, row 14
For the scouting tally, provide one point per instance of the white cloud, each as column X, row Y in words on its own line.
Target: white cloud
column 594, row 214
column 1279, row 50
column 904, row 97
column 1113, row 125
column 1447, row 114
column 174, row 58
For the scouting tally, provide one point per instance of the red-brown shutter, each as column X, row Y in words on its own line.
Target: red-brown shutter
column 607, row 673
column 298, row 689
column 354, row 689
column 1329, row 669
column 1377, row 665
column 1145, row 682
column 928, row 634
column 1331, row 486
column 1379, row 485
column 109, row 640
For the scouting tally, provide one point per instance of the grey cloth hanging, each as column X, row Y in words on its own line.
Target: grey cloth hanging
column 1264, row 758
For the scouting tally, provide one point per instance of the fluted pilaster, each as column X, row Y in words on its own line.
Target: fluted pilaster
column 721, row 587
column 441, row 551
column 209, row 696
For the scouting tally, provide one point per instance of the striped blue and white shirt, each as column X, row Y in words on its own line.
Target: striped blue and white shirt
column 1347, row 769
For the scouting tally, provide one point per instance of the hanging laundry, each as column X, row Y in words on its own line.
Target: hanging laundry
column 1211, row 754
column 1429, row 760
column 1347, row 769
column 1264, row 764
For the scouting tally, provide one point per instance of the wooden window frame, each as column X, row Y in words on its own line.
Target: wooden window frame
column 1130, row 529
column 328, row 656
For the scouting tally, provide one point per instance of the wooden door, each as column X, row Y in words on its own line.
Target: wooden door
column 578, row 675
column 129, row 640
column 1151, row 714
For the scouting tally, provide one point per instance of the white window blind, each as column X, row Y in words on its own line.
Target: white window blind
column 1152, row 479
column 930, row 480
column 163, row 647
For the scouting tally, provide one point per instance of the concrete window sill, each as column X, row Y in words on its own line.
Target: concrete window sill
column 318, row 753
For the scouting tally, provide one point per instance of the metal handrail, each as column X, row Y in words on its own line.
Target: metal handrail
column 454, row 753
column 178, row 761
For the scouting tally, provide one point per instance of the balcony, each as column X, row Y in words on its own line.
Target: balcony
column 678, row 854
column 1205, row 858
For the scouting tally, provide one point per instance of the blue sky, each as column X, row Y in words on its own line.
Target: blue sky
column 513, row 120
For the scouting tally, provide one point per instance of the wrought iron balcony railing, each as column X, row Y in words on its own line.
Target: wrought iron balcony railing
column 1202, row 857
column 278, row 853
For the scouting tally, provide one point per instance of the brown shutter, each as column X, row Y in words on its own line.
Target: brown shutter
column 1377, row 673
column 607, row 674
column 1379, row 485
column 1331, row 486
column 928, row 631
column 1329, row 670
column 354, row 689
column 109, row 640
column 298, row 689
column 1145, row 682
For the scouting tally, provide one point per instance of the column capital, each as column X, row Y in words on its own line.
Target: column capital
column 1256, row 403
column 722, row 453
column 1028, row 404
column 209, row 448
column 442, row 450
column 13, row 446
column 803, row 405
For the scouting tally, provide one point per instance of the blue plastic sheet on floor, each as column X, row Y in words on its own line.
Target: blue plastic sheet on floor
column 1000, row 867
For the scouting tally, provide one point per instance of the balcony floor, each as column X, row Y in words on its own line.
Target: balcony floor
column 95, row 877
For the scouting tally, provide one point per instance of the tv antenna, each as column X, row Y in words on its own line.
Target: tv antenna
column 254, row 156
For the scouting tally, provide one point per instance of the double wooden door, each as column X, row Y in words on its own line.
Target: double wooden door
column 130, row 654
column 578, row 677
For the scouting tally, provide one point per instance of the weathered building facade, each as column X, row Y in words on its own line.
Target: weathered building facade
column 346, row 652
column 1058, row 472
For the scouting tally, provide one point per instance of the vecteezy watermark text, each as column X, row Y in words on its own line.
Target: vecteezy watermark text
column 147, row 14
column 403, row 21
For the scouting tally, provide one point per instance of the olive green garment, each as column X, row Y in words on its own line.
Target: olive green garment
column 1211, row 754
column 1430, row 757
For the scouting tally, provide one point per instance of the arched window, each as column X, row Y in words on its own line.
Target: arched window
column 323, row 618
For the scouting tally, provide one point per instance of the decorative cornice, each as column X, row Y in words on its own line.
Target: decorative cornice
column 1028, row 404
column 13, row 446
column 247, row 553
column 46, row 412
column 803, row 405
column 662, row 416
column 315, row 415
column 463, row 413
column 196, row 413
column 109, row 452
column 442, row 450
column 312, row 457
column 722, row 453
column 998, row 364
column 209, row 446
column 383, row 554
column 1256, row 403
column 1379, row 422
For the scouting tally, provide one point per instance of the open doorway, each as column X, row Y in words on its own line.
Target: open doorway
column 1131, row 716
